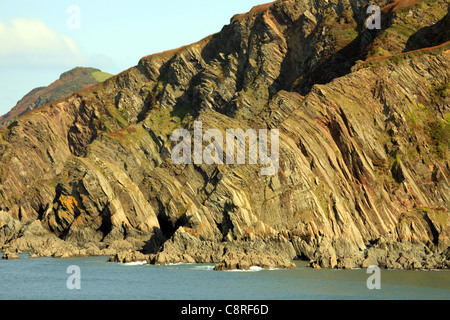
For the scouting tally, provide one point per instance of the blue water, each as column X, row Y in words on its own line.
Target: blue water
column 46, row 278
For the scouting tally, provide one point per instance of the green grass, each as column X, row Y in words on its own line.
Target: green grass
column 347, row 34
column 113, row 119
column 439, row 132
column 397, row 160
column 380, row 52
column 447, row 117
column 404, row 31
column 101, row 76
column 342, row 26
column 2, row 141
column 181, row 113
column 404, row 25
column 164, row 122
column 412, row 117
column 435, row 127
column 396, row 168
column 441, row 90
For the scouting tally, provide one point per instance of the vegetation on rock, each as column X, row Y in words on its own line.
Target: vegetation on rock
column 364, row 137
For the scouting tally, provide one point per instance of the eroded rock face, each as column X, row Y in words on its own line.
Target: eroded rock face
column 363, row 149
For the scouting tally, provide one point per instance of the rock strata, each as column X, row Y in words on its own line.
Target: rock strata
column 363, row 128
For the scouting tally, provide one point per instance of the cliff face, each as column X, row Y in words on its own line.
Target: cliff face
column 364, row 135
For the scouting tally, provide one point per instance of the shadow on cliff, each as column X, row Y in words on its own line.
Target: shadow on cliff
column 155, row 242
column 430, row 36
column 341, row 62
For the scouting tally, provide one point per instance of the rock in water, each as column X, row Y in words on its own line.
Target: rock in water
column 241, row 261
column 129, row 257
column 10, row 256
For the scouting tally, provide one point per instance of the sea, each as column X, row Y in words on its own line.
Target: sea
column 95, row 279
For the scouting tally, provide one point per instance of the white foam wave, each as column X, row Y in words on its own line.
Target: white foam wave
column 252, row 269
column 204, row 267
column 136, row 263
column 178, row 264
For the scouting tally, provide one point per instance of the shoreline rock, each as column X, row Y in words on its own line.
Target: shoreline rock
column 10, row 256
column 240, row 261
column 275, row 251
column 129, row 257
column 92, row 174
column 230, row 256
column 386, row 255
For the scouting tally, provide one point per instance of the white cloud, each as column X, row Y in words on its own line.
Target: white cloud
column 30, row 42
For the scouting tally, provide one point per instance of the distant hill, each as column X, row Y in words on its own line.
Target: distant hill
column 70, row 81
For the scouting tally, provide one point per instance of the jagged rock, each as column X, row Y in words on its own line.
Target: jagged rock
column 128, row 257
column 325, row 255
column 350, row 262
column 303, row 249
column 344, row 247
column 92, row 249
column 239, row 261
column 185, row 248
column 10, row 256
column 374, row 257
column 33, row 237
column 9, row 227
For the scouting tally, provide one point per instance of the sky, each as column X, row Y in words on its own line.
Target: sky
column 40, row 39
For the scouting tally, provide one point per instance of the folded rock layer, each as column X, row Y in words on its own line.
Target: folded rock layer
column 363, row 146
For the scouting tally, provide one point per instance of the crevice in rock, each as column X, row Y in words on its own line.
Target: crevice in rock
column 167, row 226
column 106, row 225
column 226, row 225
column 433, row 229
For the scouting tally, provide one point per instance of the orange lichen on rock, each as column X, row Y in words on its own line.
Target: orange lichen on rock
column 69, row 203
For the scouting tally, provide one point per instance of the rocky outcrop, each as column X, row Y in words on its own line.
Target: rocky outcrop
column 233, row 261
column 385, row 254
column 10, row 256
column 41, row 242
column 186, row 248
column 128, row 257
column 363, row 148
